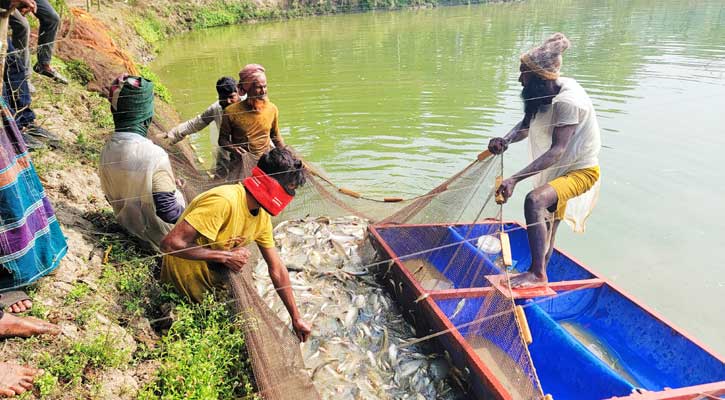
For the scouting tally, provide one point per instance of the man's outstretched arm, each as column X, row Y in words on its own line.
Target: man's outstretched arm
column 194, row 125
column 518, row 133
column 280, row 280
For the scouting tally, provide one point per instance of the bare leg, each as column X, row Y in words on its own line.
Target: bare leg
column 552, row 237
column 12, row 326
column 535, row 208
column 15, row 380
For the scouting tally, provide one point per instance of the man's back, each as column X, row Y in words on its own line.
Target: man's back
column 128, row 163
column 572, row 106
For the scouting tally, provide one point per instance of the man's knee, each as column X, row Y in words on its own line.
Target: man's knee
column 536, row 200
column 48, row 18
column 20, row 28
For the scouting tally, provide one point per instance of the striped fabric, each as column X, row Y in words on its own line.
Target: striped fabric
column 31, row 242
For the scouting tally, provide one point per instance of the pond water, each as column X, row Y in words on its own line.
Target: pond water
column 392, row 103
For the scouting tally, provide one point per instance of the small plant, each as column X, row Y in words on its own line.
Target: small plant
column 46, row 384
column 203, row 356
column 159, row 88
column 102, row 116
column 79, row 71
column 96, row 354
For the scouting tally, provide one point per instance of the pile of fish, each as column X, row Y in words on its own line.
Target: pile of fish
column 356, row 349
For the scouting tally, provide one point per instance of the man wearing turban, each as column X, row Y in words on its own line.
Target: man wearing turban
column 136, row 174
column 561, row 124
column 248, row 128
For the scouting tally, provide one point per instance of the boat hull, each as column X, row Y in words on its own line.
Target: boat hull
column 590, row 341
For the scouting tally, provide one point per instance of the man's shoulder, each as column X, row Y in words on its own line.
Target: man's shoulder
column 271, row 108
column 572, row 92
column 135, row 146
column 234, row 109
column 215, row 107
column 232, row 192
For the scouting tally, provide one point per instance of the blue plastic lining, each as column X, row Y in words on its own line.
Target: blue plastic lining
column 414, row 241
column 560, row 267
column 648, row 349
column 566, row 369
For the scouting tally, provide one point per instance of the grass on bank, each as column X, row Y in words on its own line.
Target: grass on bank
column 203, row 353
column 203, row 356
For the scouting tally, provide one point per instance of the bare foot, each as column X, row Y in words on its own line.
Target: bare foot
column 21, row 306
column 15, row 379
column 11, row 326
column 527, row 279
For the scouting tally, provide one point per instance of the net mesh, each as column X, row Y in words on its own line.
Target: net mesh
column 466, row 197
column 496, row 338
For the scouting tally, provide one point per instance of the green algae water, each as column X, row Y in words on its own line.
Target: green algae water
column 392, row 103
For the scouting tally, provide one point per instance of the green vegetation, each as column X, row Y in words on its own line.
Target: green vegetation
column 203, row 356
column 233, row 12
column 79, row 291
column 159, row 88
column 149, row 28
column 79, row 71
column 72, row 367
column 101, row 113
column 228, row 13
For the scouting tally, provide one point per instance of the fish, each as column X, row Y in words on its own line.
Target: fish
column 410, row 368
column 458, row 309
column 350, row 316
column 422, row 297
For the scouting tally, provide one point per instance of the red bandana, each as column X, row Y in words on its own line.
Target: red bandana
column 267, row 191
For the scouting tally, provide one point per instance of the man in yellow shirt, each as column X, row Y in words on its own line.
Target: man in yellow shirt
column 215, row 227
column 248, row 128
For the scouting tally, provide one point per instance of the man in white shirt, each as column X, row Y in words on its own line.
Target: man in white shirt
column 561, row 124
column 135, row 173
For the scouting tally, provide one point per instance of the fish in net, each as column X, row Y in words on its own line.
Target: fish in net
column 465, row 197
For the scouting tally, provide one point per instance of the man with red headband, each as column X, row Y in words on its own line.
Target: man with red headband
column 212, row 232
column 248, row 128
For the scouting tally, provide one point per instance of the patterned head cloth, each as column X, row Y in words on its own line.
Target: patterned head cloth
column 247, row 74
column 545, row 60
column 132, row 103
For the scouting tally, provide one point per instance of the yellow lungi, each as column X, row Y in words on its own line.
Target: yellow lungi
column 572, row 184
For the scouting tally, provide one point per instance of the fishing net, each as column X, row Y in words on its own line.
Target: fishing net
column 467, row 197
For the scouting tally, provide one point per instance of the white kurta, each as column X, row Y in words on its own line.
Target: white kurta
column 572, row 106
column 128, row 163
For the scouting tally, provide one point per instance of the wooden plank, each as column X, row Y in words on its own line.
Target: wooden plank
column 499, row 282
column 506, row 249
column 485, row 291
column 499, row 197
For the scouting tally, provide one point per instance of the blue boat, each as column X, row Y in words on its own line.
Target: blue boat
column 588, row 339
